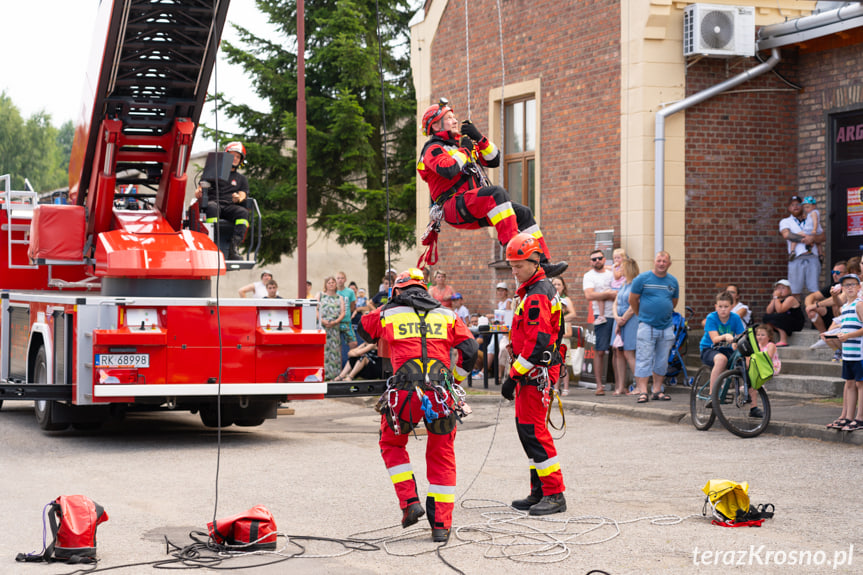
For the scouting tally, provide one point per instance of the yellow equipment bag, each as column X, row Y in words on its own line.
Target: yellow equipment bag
column 725, row 497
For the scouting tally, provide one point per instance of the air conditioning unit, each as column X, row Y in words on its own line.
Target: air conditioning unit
column 718, row 31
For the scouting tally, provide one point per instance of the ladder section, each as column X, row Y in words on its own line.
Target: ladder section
column 19, row 206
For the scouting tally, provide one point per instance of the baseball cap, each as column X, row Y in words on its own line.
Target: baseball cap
column 456, row 295
column 854, row 277
column 502, row 285
column 785, row 283
column 795, row 199
column 266, row 272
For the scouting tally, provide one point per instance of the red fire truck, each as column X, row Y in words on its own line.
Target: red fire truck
column 105, row 309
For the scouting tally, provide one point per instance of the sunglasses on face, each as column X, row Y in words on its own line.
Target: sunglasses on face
column 600, row 258
column 835, row 273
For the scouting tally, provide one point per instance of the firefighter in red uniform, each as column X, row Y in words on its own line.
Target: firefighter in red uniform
column 458, row 186
column 534, row 339
column 421, row 334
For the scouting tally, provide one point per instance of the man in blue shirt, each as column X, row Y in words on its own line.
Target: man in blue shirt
column 720, row 327
column 348, row 339
column 654, row 295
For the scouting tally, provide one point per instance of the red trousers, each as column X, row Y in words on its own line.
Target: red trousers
column 440, row 462
column 491, row 206
column 545, row 475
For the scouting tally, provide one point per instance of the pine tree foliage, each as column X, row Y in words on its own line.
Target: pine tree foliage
column 345, row 124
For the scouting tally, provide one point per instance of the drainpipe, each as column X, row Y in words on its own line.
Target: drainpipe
column 659, row 138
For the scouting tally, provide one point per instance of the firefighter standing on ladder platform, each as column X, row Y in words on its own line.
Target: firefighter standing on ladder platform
column 421, row 334
column 228, row 205
column 534, row 340
column 460, row 189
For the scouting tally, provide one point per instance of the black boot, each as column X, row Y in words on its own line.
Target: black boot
column 412, row 514
column 440, row 535
column 529, row 501
column 549, row 504
column 234, row 249
column 553, row 270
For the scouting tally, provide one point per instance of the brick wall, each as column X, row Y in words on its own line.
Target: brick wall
column 578, row 61
column 740, row 171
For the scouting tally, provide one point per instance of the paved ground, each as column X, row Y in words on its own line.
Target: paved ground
column 319, row 472
column 795, row 415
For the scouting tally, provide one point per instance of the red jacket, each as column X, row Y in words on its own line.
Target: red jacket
column 442, row 164
column 537, row 327
column 398, row 324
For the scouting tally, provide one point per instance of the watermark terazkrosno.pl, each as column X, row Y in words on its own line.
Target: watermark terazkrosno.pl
column 761, row 555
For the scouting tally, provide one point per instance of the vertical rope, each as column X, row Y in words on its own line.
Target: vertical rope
column 384, row 125
column 467, row 54
column 502, row 82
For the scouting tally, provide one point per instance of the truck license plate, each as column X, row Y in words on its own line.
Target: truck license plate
column 122, row 360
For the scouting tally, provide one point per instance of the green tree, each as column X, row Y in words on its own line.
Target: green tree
column 29, row 149
column 345, row 137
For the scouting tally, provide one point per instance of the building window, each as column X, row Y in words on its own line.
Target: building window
column 520, row 151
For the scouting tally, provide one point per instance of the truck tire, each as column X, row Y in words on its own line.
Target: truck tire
column 44, row 409
column 209, row 417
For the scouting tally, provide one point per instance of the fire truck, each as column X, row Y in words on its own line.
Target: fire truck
column 104, row 309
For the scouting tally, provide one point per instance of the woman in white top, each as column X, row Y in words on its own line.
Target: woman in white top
column 568, row 317
column 739, row 307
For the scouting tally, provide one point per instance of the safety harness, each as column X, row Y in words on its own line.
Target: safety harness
column 432, row 375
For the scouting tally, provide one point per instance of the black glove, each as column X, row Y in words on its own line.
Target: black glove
column 469, row 130
column 466, row 142
column 508, row 389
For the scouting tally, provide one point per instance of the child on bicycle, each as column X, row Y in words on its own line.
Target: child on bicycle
column 851, row 338
column 720, row 327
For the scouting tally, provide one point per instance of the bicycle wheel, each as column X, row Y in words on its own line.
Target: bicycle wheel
column 733, row 406
column 702, row 417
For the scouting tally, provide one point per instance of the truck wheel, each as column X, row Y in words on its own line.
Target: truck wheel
column 44, row 409
column 249, row 422
column 209, row 418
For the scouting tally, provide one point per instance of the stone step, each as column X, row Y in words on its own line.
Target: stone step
column 828, row 368
column 804, row 338
column 805, row 353
column 792, row 383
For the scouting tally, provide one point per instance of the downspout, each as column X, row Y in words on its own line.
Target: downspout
column 659, row 138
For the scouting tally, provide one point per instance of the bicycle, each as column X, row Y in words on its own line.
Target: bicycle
column 730, row 400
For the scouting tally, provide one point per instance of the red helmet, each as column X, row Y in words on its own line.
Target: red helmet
column 412, row 277
column 522, row 246
column 236, row 147
column 435, row 113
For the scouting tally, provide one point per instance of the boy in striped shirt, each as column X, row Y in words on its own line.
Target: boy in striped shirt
column 851, row 337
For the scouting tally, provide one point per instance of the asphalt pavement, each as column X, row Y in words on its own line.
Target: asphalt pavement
column 796, row 415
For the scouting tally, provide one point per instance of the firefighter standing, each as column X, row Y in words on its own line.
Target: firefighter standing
column 421, row 334
column 535, row 338
column 457, row 185
column 229, row 204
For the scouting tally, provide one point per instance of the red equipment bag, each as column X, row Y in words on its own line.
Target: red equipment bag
column 253, row 529
column 74, row 539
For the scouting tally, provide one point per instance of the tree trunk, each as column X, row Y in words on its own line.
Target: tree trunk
column 376, row 259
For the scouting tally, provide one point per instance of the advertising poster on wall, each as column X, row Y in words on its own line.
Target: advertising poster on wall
column 855, row 212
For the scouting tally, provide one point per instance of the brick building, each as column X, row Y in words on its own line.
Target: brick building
column 582, row 84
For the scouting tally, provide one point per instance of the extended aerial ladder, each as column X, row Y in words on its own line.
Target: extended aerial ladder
column 153, row 337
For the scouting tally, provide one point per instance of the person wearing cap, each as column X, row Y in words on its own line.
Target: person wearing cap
column 849, row 326
column 801, row 238
column 451, row 164
column 784, row 312
column 258, row 289
column 460, row 309
column 421, row 335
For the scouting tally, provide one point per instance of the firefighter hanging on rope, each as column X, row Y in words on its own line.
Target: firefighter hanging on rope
column 451, row 164
column 421, row 335
column 535, row 344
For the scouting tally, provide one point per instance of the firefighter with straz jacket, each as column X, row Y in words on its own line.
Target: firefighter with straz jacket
column 448, row 164
column 229, row 203
column 421, row 335
column 535, row 339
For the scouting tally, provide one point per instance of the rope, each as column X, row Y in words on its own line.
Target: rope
column 467, row 55
column 385, row 135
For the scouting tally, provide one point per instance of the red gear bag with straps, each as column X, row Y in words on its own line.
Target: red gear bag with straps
column 75, row 536
column 251, row 530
